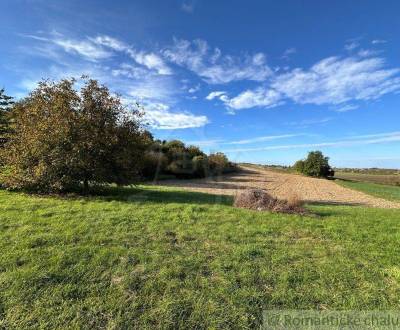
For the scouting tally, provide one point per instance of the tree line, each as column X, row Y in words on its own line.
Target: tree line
column 59, row 139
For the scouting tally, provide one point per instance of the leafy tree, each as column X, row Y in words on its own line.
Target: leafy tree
column 316, row 165
column 63, row 138
column 299, row 166
column 5, row 107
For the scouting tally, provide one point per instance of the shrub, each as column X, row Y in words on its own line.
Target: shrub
column 316, row 165
column 217, row 163
column 62, row 138
column 200, row 166
column 154, row 163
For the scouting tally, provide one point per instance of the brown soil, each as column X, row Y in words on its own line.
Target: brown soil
column 282, row 186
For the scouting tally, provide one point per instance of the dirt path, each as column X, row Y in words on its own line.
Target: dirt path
column 282, row 185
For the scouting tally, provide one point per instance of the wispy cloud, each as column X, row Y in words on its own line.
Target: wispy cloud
column 85, row 48
column 346, row 107
column 349, row 142
column 288, row 52
column 143, row 76
column 213, row 66
column 150, row 60
column 215, row 94
column 309, row 122
column 352, row 45
column 378, row 41
column 264, row 139
column 188, row 6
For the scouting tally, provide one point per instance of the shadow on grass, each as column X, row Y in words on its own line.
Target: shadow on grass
column 137, row 194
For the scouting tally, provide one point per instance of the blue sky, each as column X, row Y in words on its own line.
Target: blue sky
column 263, row 81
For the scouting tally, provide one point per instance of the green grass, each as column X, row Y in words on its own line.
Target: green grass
column 160, row 258
column 374, row 189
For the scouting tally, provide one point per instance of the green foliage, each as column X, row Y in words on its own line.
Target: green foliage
column 218, row 162
column 5, row 106
column 153, row 258
column 299, row 166
column 201, row 166
column 316, row 165
column 62, row 138
column 183, row 161
column 154, row 164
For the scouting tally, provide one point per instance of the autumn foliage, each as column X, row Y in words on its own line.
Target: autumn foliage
column 61, row 139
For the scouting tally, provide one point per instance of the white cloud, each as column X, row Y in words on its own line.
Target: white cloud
column 194, row 89
column 216, row 94
column 378, row 41
column 332, row 81
column 351, row 46
column 335, row 80
column 85, row 48
column 150, row 60
column 214, row 67
column 159, row 116
column 259, row 97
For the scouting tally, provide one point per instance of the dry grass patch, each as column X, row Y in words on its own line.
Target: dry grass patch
column 260, row 200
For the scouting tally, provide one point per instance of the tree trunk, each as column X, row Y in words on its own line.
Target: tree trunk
column 85, row 186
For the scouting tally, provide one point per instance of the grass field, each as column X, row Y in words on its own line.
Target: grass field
column 386, row 179
column 161, row 258
column 378, row 190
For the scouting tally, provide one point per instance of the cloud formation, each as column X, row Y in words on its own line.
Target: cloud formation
column 331, row 81
column 214, row 67
column 160, row 116
column 142, row 77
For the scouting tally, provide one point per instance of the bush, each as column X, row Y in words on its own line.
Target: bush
column 200, row 166
column 154, row 163
column 217, row 163
column 315, row 165
column 61, row 139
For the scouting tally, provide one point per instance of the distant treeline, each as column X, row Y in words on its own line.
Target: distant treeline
column 175, row 158
column 372, row 170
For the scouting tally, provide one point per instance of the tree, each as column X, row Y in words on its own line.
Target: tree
column 316, row 165
column 63, row 138
column 5, row 106
column 299, row 166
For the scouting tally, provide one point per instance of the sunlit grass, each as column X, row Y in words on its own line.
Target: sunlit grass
column 161, row 258
column 374, row 189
